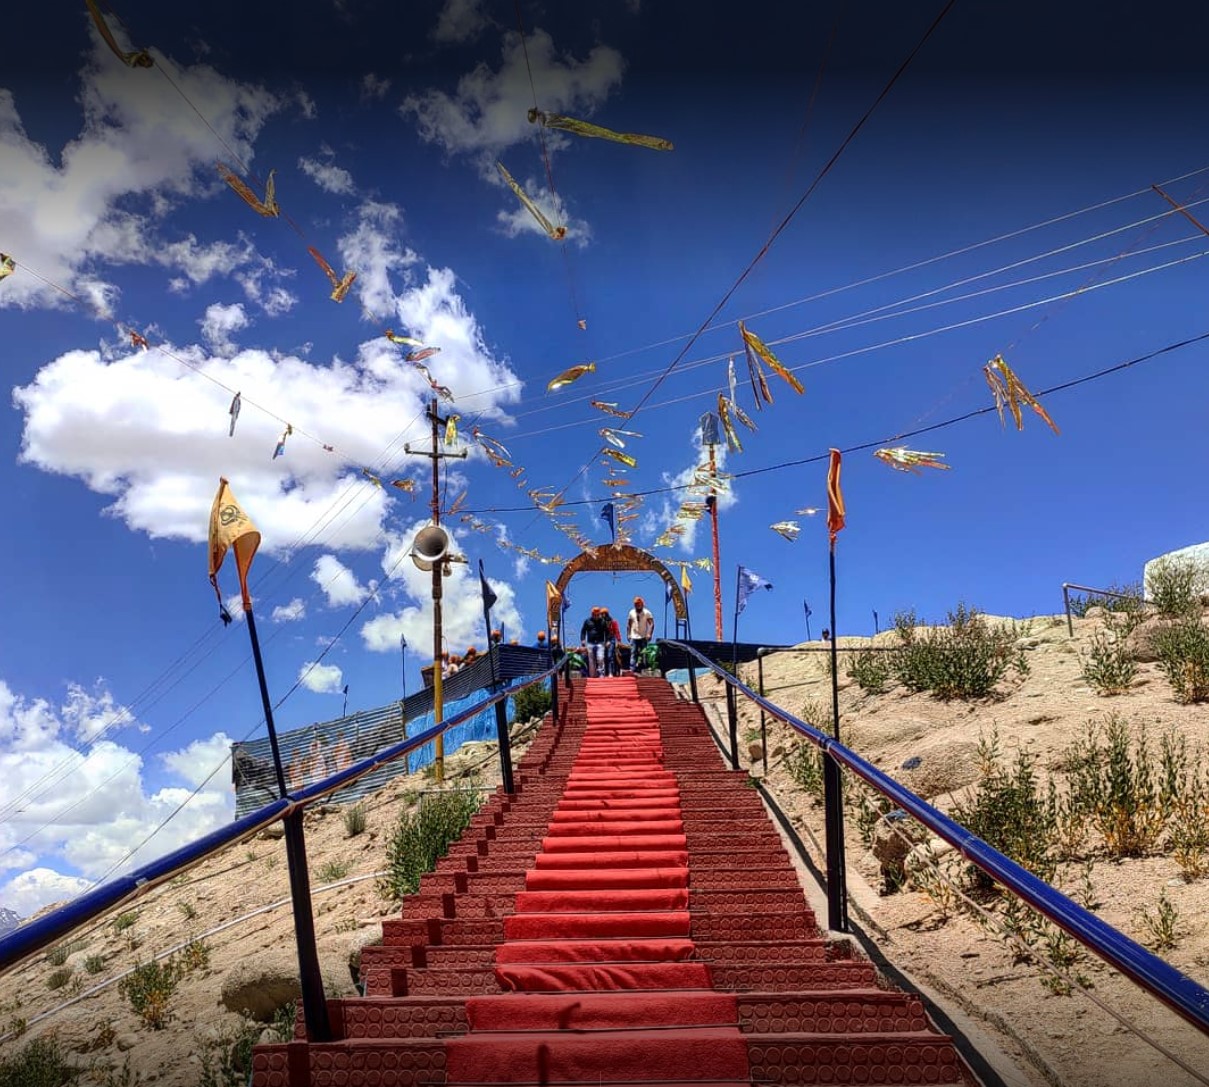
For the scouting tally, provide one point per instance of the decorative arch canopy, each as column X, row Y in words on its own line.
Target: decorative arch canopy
column 613, row 558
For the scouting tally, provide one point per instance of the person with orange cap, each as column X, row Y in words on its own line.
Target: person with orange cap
column 593, row 634
column 639, row 629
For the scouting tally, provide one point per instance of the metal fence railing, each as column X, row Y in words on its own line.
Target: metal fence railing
column 1159, row 978
column 35, row 935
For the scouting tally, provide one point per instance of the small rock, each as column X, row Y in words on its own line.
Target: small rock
column 125, row 1042
column 912, row 762
column 272, row 833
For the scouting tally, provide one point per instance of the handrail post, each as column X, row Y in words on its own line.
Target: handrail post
column 505, row 745
column 692, row 684
column 1070, row 627
column 314, row 999
column 763, row 716
column 554, row 696
column 732, row 718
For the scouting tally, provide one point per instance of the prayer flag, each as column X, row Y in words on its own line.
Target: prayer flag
column 231, row 527
column 489, row 597
column 749, row 582
column 835, row 497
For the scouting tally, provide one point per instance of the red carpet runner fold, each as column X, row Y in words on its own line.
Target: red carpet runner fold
column 602, row 983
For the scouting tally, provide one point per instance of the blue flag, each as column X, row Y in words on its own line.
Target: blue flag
column 606, row 515
column 809, row 613
column 489, row 597
column 749, row 582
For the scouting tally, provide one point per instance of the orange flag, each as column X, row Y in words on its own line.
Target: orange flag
column 835, row 497
column 231, row 527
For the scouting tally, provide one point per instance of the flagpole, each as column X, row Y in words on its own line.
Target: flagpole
column 314, row 1000
column 806, row 608
column 833, row 798
column 344, row 712
column 403, row 661
column 501, row 711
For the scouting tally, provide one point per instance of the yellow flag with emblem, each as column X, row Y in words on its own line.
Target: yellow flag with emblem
column 231, row 528
column 686, row 583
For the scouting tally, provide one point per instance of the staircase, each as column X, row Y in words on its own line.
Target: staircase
column 629, row 917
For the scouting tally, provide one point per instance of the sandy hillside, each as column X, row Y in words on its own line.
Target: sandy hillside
column 1061, row 1039
column 1036, row 1035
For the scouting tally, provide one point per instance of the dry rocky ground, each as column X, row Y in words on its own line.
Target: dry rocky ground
column 1030, row 1034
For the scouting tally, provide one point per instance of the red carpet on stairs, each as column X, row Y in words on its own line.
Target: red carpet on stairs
column 628, row 917
column 566, row 959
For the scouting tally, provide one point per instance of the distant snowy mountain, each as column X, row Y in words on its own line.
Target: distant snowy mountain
column 8, row 920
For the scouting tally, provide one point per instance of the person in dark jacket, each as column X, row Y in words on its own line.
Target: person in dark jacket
column 593, row 634
column 612, row 638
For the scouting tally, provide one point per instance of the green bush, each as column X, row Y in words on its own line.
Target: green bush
column 39, row 1064
column 60, row 953
column 1109, row 667
column 1173, row 586
column 871, row 670
column 1009, row 812
column 965, row 659
column 148, row 988
column 354, row 820
column 530, row 702
column 94, row 964
column 124, row 921
column 422, row 837
column 333, row 871
column 59, row 978
column 1183, row 652
column 804, row 764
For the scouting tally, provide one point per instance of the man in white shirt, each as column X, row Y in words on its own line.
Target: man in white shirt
column 639, row 629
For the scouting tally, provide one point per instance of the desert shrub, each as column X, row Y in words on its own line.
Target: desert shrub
column 148, row 989
column 1009, row 811
column 1109, row 668
column 530, row 702
column 804, row 764
column 1173, row 586
column 195, row 955
column 423, row 836
column 1128, row 791
column 870, row 670
column 1161, row 925
column 41, row 1063
column 965, row 659
column 123, row 921
column 60, row 953
column 94, row 964
column 1183, row 651
column 188, row 910
column 58, row 978
column 816, row 712
column 333, row 871
column 354, row 820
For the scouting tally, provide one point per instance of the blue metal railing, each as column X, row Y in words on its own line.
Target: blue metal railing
column 35, row 935
column 1178, row 991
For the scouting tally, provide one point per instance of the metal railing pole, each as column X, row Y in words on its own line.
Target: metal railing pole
column 732, row 720
column 692, row 684
column 505, row 742
column 763, row 717
column 1070, row 626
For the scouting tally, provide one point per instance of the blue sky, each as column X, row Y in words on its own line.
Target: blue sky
column 1019, row 145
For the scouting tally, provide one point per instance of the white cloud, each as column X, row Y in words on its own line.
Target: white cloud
column 218, row 324
column 77, row 804
column 306, row 105
column 291, row 612
column 321, row 678
column 338, row 582
column 140, row 150
column 374, row 88
column 90, row 715
column 462, row 604
column 374, row 249
column 327, row 175
column 460, row 21
column 30, row 891
column 488, row 112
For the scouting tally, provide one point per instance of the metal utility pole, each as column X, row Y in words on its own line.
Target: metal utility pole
column 435, row 455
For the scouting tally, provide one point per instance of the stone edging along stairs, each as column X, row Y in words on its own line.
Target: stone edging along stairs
column 630, row 916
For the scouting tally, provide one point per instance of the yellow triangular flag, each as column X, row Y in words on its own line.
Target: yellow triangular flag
column 231, row 527
column 685, row 581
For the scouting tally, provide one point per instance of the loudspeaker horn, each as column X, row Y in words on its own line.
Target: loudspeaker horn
column 430, row 547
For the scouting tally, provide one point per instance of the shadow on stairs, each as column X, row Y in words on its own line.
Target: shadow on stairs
column 630, row 916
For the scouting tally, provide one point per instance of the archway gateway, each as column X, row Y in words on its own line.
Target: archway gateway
column 612, row 558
